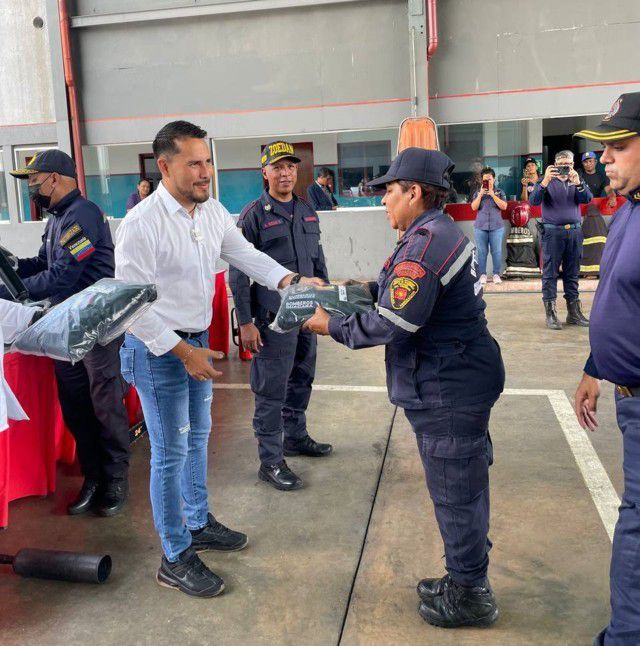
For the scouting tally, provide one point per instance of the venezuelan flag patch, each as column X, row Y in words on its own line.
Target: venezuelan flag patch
column 81, row 248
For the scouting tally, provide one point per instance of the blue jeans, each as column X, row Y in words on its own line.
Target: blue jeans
column 624, row 627
column 177, row 412
column 486, row 240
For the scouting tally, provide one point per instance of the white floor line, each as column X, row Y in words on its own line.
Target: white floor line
column 326, row 387
column 603, row 494
column 595, row 477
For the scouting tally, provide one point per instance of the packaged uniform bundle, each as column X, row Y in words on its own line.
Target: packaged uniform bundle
column 299, row 303
column 98, row 314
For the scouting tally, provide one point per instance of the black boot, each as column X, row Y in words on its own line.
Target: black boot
column 215, row 536
column 189, row 575
column 429, row 588
column 86, row 499
column 279, row 476
column 113, row 497
column 460, row 606
column 552, row 316
column 306, row 446
column 575, row 315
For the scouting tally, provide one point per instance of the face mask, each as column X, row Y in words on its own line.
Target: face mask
column 37, row 198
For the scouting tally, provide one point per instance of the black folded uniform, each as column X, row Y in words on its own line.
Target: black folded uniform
column 98, row 314
column 299, row 303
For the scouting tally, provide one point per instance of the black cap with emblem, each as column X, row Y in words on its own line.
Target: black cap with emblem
column 277, row 150
column 418, row 165
column 621, row 122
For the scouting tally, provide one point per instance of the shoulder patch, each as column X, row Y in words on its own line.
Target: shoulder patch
column 70, row 233
column 81, row 248
column 401, row 291
column 409, row 269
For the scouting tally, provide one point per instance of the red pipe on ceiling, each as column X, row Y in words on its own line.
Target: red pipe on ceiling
column 432, row 16
column 72, row 97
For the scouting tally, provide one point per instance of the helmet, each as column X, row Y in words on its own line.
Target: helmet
column 520, row 215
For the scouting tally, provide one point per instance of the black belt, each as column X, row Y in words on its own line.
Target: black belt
column 628, row 391
column 189, row 335
column 575, row 225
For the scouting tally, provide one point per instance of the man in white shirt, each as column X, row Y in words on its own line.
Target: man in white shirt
column 173, row 239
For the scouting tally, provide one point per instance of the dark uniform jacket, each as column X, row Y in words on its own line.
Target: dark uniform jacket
column 294, row 242
column 319, row 198
column 431, row 319
column 76, row 251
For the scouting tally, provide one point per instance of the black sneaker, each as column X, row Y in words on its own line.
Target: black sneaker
column 215, row 536
column 429, row 588
column 460, row 606
column 306, row 446
column 279, row 476
column 113, row 497
column 189, row 575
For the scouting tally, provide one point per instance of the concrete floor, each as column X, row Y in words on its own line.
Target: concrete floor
column 337, row 562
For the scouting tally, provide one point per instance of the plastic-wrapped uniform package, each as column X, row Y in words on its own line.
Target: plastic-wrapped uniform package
column 299, row 303
column 98, row 314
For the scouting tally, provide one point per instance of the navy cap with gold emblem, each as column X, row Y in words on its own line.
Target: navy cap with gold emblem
column 621, row 122
column 47, row 161
column 277, row 150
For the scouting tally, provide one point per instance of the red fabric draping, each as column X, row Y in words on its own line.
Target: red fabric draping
column 30, row 449
column 464, row 212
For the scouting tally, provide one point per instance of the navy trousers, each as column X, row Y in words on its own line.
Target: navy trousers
column 282, row 375
column 561, row 247
column 624, row 628
column 456, row 452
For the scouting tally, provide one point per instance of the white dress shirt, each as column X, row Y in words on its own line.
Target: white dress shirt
column 14, row 318
column 159, row 242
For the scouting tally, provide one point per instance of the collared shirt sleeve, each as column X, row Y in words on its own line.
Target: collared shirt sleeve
column 15, row 318
column 583, row 194
column 590, row 368
column 135, row 253
column 239, row 282
column 239, row 252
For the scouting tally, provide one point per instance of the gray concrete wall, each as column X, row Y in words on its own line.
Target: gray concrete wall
column 307, row 69
column 497, row 60
column 26, row 96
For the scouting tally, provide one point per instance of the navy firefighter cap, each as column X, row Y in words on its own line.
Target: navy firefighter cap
column 47, row 161
column 418, row 165
column 621, row 122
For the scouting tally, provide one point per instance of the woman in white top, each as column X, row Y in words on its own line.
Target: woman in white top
column 14, row 318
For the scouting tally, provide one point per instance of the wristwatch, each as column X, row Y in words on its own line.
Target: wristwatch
column 296, row 279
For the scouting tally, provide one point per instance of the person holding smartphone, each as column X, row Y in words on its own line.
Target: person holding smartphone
column 529, row 178
column 489, row 201
column 560, row 192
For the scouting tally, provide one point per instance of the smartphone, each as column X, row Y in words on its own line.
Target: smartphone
column 563, row 171
column 485, row 184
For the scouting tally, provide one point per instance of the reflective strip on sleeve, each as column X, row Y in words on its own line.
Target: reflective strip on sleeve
column 595, row 240
column 397, row 320
column 458, row 264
